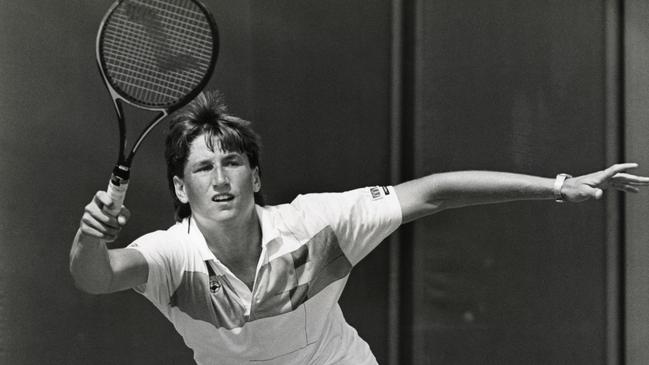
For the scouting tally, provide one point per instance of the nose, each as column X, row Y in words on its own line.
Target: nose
column 220, row 178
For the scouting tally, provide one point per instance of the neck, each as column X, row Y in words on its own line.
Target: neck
column 234, row 242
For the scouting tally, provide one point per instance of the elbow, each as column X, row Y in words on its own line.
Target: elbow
column 89, row 288
column 424, row 209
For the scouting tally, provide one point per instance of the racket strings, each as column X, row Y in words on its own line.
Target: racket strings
column 182, row 31
column 157, row 51
column 128, row 41
column 146, row 55
column 118, row 52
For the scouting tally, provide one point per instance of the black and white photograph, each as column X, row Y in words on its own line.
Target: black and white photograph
column 330, row 182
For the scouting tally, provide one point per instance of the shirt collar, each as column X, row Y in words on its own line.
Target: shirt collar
column 268, row 231
column 197, row 238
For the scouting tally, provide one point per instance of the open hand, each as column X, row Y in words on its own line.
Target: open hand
column 592, row 186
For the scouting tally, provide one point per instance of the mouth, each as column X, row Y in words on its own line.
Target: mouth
column 221, row 198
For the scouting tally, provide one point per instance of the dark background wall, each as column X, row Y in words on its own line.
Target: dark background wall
column 525, row 86
column 514, row 86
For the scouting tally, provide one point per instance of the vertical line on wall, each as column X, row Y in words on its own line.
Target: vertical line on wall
column 614, row 89
column 403, row 95
column 396, row 122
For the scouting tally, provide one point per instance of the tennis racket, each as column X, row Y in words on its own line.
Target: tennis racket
column 156, row 55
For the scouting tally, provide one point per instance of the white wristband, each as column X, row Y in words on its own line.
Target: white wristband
column 558, row 184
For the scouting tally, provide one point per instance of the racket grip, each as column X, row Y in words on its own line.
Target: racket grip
column 117, row 187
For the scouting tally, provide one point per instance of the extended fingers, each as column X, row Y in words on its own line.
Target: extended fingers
column 630, row 179
column 625, row 187
column 617, row 168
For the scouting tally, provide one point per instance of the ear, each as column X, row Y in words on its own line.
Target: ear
column 256, row 180
column 179, row 188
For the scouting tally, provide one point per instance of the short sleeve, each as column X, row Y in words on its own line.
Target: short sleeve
column 163, row 259
column 360, row 218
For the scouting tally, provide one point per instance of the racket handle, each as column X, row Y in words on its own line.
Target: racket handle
column 117, row 187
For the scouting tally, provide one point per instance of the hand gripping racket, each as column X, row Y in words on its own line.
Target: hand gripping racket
column 156, row 55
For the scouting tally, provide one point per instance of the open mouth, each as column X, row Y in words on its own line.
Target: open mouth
column 219, row 198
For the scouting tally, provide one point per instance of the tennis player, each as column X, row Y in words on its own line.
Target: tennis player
column 243, row 282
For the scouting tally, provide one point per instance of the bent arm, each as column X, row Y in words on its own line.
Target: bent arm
column 96, row 269
column 437, row 192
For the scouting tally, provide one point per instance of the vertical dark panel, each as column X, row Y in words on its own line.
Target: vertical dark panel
column 322, row 103
column 515, row 86
column 636, row 89
column 615, row 247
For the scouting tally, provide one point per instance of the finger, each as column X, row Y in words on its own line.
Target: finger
column 641, row 184
column 91, row 222
column 611, row 171
column 89, row 231
column 628, row 188
column 103, row 200
column 631, row 179
column 100, row 215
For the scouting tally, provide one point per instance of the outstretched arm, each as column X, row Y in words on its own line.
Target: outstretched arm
column 437, row 192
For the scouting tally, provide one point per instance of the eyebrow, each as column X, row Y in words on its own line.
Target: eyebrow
column 226, row 156
column 232, row 154
column 199, row 163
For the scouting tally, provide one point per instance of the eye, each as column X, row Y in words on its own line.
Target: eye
column 233, row 162
column 203, row 168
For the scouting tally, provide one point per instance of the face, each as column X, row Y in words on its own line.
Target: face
column 218, row 185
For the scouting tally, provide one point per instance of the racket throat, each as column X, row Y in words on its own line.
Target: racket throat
column 119, row 111
column 157, row 119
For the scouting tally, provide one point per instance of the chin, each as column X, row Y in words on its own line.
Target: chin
column 225, row 215
column 229, row 212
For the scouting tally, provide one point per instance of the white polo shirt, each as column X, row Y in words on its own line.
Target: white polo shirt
column 292, row 315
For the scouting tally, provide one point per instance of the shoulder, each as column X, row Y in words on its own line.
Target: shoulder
column 347, row 203
column 160, row 239
column 321, row 202
column 335, row 208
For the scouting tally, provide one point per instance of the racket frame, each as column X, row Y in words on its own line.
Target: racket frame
column 121, row 172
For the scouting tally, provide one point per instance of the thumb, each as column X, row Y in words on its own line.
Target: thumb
column 597, row 193
column 123, row 216
column 121, row 220
column 587, row 192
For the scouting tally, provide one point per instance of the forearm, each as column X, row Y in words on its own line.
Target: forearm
column 436, row 192
column 90, row 264
column 464, row 188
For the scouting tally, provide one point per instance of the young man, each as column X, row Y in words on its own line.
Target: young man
column 242, row 282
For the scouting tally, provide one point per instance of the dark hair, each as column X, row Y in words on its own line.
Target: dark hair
column 206, row 115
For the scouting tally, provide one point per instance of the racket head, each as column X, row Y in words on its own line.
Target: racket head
column 157, row 54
